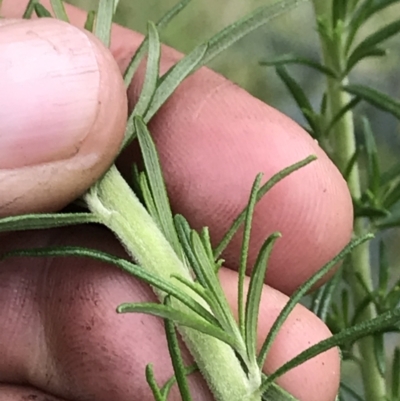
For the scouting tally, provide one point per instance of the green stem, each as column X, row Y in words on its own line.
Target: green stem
column 344, row 147
column 119, row 209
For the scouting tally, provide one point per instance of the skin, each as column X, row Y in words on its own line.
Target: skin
column 62, row 118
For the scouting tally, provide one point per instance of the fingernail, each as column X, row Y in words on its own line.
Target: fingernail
column 49, row 82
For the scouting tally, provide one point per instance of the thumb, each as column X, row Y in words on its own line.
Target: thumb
column 62, row 114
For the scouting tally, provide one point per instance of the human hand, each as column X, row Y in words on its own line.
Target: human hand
column 62, row 117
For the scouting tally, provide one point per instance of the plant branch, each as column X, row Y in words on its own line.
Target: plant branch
column 120, row 210
column 343, row 143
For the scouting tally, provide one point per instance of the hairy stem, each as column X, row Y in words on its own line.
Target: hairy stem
column 120, row 210
column 343, row 144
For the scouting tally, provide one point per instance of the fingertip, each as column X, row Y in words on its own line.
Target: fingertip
column 65, row 116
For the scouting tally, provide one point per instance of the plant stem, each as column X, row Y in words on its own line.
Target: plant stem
column 120, row 210
column 344, row 147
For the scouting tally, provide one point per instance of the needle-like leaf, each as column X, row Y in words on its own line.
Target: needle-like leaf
column 300, row 292
column 59, row 10
column 46, row 220
column 181, row 318
column 254, row 295
column 245, row 252
column 123, row 264
column 151, row 381
column 263, row 190
column 176, row 357
column 157, row 185
column 350, row 335
column 30, row 7
column 103, row 23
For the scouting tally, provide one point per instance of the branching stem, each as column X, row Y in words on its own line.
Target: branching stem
column 121, row 211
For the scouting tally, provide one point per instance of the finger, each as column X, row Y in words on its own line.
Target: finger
column 62, row 334
column 24, row 393
column 62, row 114
column 213, row 139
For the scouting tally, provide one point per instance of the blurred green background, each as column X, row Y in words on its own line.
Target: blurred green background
column 293, row 32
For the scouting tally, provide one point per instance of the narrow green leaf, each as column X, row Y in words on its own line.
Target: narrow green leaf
column 172, row 13
column 396, row 375
column 254, row 295
column 392, row 174
column 371, row 41
column 220, row 306
column 168, row 385
column 301, row 291
column 157, row 184
column 151, row 381
column 276, row 393
column 90, row 18
column 129, row 267
column 391, row 197
column 365, row 210
column 239, row 29
column 152, row 72
column 376, row 98
column 176, row 357
column 383, row 269
column 30, row 7
column 183, row 230
column 362, row 305
column 390, row 222
column 41, row 11
column 377, row 6
column 206, row 240
column 324, row 104
column 173, row 78
column 245, row 252
column 46, row 220
column 201, row 292
column 116, row 3
column 289, row 59
column 263, row 190
column 140, row 52
column 351, row 163
column 345, row 307
column 135, row 61
column 148, row 198
column 322, row 299
column 350, row 391
column 379, row 353
column 350, row 335
column 339, row 11
column 392, row 299
column 299, row 96
column 149, row 86
column 103, row 23
column 59, row 10
column 180, row 318
column 373, row 168
column 336, row 118
column 362, row 54
column 364, row 12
